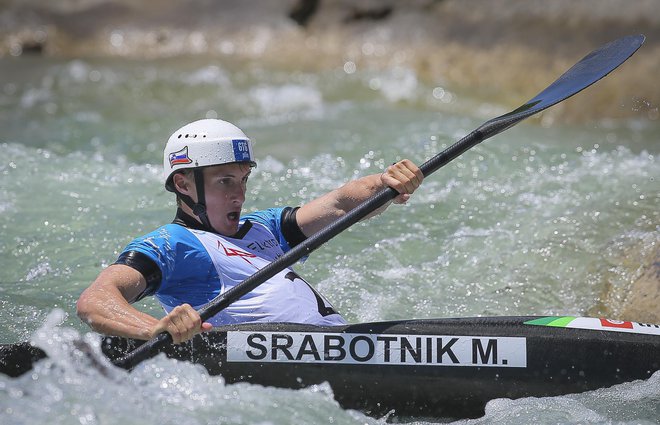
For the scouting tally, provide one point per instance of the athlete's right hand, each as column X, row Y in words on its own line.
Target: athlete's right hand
column 183, row 322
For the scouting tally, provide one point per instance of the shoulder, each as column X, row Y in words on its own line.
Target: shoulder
column 169, row 247
column 170, row 237
column 168, row 231
column 281, row 222
column 271, row 218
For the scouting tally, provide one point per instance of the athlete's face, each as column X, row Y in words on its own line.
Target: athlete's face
column 225, row 187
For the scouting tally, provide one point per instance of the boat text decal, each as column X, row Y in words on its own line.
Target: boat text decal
column 383, row 349
column 596, row 324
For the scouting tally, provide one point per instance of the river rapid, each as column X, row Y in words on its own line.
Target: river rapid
column 540, row 220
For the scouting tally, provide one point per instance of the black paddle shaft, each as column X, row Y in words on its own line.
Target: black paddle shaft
column 587, row 71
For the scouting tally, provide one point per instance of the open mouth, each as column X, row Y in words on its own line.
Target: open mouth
column 233, row 216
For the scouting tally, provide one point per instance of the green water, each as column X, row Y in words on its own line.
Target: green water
column 537, row 221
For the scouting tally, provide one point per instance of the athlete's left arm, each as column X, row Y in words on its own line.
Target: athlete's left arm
column 403, row 176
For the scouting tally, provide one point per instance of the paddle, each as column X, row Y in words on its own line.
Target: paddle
column 590, row 69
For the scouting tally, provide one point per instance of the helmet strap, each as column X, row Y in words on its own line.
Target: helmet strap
column 198, row 208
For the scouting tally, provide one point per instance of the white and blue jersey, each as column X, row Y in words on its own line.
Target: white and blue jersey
column 197, row 265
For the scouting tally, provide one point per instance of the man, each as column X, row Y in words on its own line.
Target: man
column 209, row 248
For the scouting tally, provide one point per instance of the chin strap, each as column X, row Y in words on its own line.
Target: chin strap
column 198, row 208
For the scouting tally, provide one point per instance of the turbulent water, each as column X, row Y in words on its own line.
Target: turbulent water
column 537, row 221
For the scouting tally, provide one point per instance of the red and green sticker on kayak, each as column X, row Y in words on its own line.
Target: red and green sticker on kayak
column 599, row 324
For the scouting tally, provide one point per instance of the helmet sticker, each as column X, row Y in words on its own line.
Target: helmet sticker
column 180, row 157
column 241, row 150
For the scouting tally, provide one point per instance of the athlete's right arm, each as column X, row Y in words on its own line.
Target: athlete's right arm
column 105, row 307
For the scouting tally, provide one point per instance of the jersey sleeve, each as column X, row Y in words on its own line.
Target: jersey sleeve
column 168, row 247
column 288, row 233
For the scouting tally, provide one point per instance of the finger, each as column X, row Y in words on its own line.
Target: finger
column 406, row 169
column 177, row 324
column 187, row 321
column 177, row 327
column 194, row 321
column 182, row 323
column 402, row 177
column 401, row 199
column 412, row 172
column 419, row 175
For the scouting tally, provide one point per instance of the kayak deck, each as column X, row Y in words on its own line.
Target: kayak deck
column 438, row 367
column 417, row 368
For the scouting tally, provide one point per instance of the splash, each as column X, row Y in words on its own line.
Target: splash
column 603, row 406
column 77, row 384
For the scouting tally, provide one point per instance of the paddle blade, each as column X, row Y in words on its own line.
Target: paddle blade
column 590, row 69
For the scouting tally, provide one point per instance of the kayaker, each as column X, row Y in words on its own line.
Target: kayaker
column 210, row 247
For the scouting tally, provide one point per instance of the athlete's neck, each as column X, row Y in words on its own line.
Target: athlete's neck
column 186, row 220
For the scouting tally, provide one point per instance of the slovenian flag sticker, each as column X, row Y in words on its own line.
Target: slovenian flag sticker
column 180, row 157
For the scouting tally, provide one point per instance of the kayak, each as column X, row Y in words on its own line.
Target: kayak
column 416, row 368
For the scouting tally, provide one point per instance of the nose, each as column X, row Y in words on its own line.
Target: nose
column 237, row 195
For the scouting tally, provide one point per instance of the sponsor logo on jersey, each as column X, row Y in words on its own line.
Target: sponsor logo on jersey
column 376, row 349
column 234, row 252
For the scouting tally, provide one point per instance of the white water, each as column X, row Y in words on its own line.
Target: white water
column 539, row 220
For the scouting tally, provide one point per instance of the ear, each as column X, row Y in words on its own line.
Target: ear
column 183, row 183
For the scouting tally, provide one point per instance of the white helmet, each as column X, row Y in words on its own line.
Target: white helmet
column 203, row 143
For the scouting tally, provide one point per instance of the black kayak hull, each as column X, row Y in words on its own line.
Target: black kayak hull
column 429, row 375
column 418, row 368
